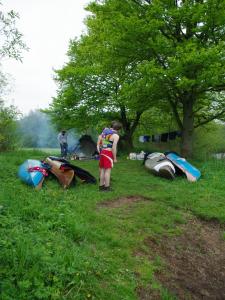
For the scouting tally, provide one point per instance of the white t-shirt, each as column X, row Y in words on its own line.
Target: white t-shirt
column 62, row 138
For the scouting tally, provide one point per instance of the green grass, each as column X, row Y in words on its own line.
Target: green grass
column 57, row 244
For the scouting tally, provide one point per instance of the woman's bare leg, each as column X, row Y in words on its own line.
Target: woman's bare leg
column 102, row 177
column 107, row 177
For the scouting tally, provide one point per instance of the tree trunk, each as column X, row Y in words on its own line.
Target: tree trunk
column 188, row 128
column 126, row 142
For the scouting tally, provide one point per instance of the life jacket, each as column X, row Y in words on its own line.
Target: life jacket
column 106, row 135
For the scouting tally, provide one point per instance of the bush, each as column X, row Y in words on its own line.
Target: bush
column 8, row 128
column 209, row 139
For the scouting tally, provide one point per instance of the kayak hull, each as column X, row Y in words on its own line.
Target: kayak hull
column 192, row 173
column 33, row 178
column 159, row 165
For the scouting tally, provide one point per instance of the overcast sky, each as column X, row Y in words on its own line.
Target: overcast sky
column 47, row 26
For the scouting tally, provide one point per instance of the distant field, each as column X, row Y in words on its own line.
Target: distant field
column 150, row 238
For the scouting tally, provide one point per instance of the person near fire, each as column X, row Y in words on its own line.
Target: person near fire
column 62, row 139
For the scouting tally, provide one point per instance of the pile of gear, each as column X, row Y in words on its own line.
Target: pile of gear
column 167, row 165
column 170, row 164
column 137, row 156
column 33, row 172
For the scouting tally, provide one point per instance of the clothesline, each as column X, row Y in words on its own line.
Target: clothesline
column 163, row 137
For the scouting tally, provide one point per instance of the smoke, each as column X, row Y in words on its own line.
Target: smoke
column 73, row 141
column 37, row 131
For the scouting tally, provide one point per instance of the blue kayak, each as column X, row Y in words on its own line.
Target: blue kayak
column 31, row 172
column 192, row 173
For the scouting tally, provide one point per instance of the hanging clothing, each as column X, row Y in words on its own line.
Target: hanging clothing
column 172, row 135
column 164, row 137
column 157, row 138
column 144, row 138
column 141, row 139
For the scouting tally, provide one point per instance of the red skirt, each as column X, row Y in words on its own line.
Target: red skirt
column 106, row 159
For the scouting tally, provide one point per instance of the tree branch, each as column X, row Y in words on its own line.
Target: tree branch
column 136, row 121
column 176, row 114
column 124, row 117
column 138, row 3
column 217, row 88
column 210, row 119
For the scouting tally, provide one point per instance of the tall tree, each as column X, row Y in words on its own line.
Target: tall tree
column 101, row 98
column 99, row 85
column 167, row 53
column 188, row 47
column 178, row 47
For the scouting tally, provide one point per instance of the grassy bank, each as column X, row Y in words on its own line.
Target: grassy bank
column 69, row 244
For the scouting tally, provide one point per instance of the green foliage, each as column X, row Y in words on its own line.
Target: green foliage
column 96, row 83
column 8, row 127
column 137, row 55
column 223, row 236
column 11, row 43
column 3, row 85
column 58, row 244
column 209, row 139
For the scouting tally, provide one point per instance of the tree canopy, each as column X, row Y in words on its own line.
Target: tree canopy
column 137, row 55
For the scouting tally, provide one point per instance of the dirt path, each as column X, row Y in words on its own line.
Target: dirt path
column 124, row 201
column 194, row 262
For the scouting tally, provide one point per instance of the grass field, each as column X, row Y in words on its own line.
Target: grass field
column 84, row 244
